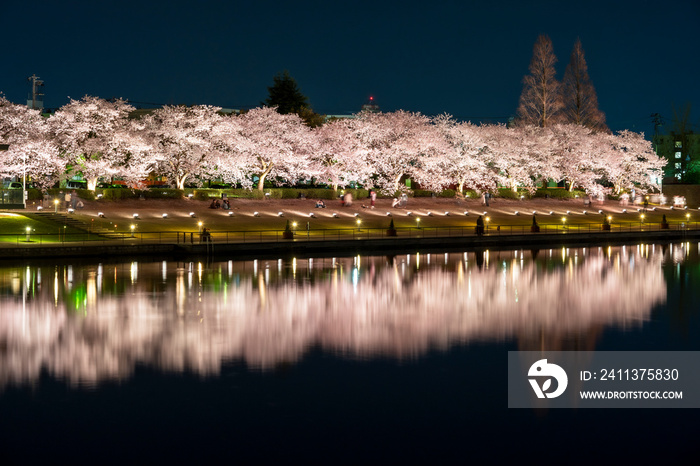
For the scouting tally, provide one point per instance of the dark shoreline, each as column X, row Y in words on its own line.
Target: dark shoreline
column 332, row 248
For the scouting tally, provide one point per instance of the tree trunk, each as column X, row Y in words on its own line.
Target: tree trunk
column 265, row 171
column 180, row 181
column 92, row 183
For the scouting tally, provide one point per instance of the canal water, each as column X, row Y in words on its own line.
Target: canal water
column 333, row 359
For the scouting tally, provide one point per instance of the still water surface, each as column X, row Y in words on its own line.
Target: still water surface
column 332, row 359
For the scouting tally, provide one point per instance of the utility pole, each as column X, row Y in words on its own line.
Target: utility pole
column 36, row 102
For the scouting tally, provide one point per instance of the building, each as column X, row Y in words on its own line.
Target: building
column 683, row 154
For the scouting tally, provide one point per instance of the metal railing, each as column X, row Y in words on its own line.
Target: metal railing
column 328, row 234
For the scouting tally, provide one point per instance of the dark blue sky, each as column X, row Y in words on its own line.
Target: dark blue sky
column 464, row 58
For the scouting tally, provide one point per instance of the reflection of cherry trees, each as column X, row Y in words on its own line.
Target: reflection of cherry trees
column 88, row 324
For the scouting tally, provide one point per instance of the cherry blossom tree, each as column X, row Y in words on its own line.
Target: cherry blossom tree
column 86, row 133
column 629, row 160
column 575, row 156
column 336, row 154
column 181, row 140
column 31, row 151
column 462, row 162
column 509, row 156
column 396, row 144
column 275, row 146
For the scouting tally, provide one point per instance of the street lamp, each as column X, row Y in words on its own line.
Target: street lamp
column 133, row 227
column 55, row 205
column 29, row 230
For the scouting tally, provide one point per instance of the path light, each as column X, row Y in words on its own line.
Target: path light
column 447, row 214
column 55, row 204
column 190, row 195
column 99, row 196
column 534, row 212
column 388, row 214
column 516, row 212
column 624, row 211
column 39, row 208
column 485, row 213
column 136, row 215
column 29, row 232
column 585, row 212
column 653, row 208
column 312, row 215
column 335, row 215
column 101, row 214
column 70, row 211
column 430, row 214
column 280, row 214
column 685, row 207
column 522, row 197
column 133, row 227
column 230, row 214
column 639, row 210
column 600, row 211
column 256, row 214
column 192, row 215
column 165, row 215
column 409, row 213
column 551, row 212
column 356, row 214
column 568, row 212
column 466, row 212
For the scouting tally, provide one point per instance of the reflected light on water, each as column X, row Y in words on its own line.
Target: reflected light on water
column 86, row 326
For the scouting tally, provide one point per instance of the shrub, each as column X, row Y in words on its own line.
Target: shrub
column 558, row 193
column 163, row 193
column 507, row 193
column 115, row 194
column 448, row 193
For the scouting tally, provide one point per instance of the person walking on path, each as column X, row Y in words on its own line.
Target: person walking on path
column 372, row 198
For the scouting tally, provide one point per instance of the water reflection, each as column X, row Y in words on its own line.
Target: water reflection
column 85, row 324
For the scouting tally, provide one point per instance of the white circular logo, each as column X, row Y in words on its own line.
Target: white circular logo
column 541, row 370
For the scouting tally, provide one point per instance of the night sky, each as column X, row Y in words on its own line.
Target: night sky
column 463, row 58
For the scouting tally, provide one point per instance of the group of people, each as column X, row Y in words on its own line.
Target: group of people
column 215, row 204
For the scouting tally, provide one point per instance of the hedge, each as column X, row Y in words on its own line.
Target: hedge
column 560, row 193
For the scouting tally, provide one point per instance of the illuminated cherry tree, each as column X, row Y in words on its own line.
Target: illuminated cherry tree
column 87, row 132
column 275, row 146
column 395, row 145
column 181, row 141
column 31, row 151
column 462, row 162
column 335, row 154
column 628, row 160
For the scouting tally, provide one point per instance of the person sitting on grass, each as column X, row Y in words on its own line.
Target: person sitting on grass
column 320, row 204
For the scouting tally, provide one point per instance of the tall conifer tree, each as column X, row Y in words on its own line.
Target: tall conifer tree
column 540, row 101
column 578, row 94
